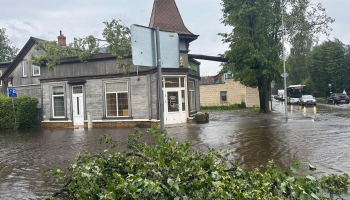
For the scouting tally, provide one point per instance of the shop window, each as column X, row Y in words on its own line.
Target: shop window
column 117, row 101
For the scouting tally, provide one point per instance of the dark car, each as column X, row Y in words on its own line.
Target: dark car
column 338, row 98
column 307, row 100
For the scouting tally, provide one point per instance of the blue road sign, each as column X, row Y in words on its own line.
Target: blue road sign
column 12, row 92
column 329, row 86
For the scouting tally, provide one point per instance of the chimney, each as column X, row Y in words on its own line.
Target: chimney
column 61, row 39
column 208, row 79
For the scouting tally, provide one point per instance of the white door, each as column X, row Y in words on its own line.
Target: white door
column 174, row 106
column 78, row 105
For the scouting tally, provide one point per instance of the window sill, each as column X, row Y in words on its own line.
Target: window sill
column 59, row 119
column 117, row 118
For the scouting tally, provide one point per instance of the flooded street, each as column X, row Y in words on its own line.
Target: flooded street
column 316, row 135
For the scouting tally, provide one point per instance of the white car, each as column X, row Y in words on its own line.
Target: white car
column 292, row 100
column 307, row 100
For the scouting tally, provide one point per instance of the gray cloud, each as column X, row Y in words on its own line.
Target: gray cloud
column 44, row 19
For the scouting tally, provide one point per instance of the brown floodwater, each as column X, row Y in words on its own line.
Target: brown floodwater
column 316, row 135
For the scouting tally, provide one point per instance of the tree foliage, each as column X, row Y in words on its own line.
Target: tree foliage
column 116, row 41
column 172, row 170
column 328, row 63
column 256, row 38
column 7, row 51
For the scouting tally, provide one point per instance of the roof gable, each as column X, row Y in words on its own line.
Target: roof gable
column 27, row 47
column 166, row 16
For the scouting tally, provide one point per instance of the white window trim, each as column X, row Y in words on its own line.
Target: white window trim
column 24, row 68
column 33, row 66
column 0, row 77
column 105, row 96
column 52, row 101
column 193, row 91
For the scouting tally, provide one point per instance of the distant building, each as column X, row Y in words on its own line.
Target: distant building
column 221, row 89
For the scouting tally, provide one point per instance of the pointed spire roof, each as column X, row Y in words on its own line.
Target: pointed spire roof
column 166, row 16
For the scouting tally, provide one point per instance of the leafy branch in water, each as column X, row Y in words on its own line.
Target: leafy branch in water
column 116, row 35
column 172, row 170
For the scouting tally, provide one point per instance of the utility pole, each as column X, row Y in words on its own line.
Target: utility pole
column 284, row 67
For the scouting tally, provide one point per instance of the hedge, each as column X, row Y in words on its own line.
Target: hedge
column 21, row 114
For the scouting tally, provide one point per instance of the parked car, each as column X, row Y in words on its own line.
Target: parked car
column 307, row 100
column 338, row 98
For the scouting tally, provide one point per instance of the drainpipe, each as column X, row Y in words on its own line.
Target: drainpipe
column 149, row 97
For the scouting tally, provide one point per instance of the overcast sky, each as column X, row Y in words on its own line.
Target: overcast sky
column 79, row 18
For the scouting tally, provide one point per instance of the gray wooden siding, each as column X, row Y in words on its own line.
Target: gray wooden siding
column 142, row 94
column 17, row 74
column 88, row 69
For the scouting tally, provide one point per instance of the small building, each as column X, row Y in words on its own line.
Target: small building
column 3, row 68
column 222, row 89
column 99, row 90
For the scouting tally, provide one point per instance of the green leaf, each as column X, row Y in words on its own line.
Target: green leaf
column 314, row 196
column 295, row 166
column 311, row 178
column 291, row 179
column 170, row 181
column 311, row 167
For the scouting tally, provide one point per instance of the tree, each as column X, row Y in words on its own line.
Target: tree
column 301, row 46
column 328, row 63
column 256, row 39
column 7, row 51
column 116, row 38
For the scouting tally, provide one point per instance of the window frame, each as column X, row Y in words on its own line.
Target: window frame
column 127, row 91
column 193, row 92
column 221, row 96
column 53, row 96
column 24, row 68
column 33, row 70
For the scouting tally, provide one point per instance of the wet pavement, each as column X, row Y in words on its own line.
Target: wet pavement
column 317, row 135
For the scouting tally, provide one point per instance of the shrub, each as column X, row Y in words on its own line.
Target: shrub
column 22, row 113
column 225, row 107
column 172, row 170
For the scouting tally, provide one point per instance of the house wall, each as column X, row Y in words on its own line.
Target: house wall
column 93, row 68
column 26, row 86
column 236, row 93
column 142, row 104
column 2, row 85
column 17, row 74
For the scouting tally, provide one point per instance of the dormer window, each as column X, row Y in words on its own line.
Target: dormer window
column 36, row 70
column 24, row 68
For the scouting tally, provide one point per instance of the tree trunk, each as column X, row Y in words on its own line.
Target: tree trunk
column 263, row 94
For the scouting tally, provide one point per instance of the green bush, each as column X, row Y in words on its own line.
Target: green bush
column 172, row 170
column 225, row 107
column 21, row 114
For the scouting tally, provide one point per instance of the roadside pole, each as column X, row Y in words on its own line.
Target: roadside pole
column 284, row 70
column 160, row 87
